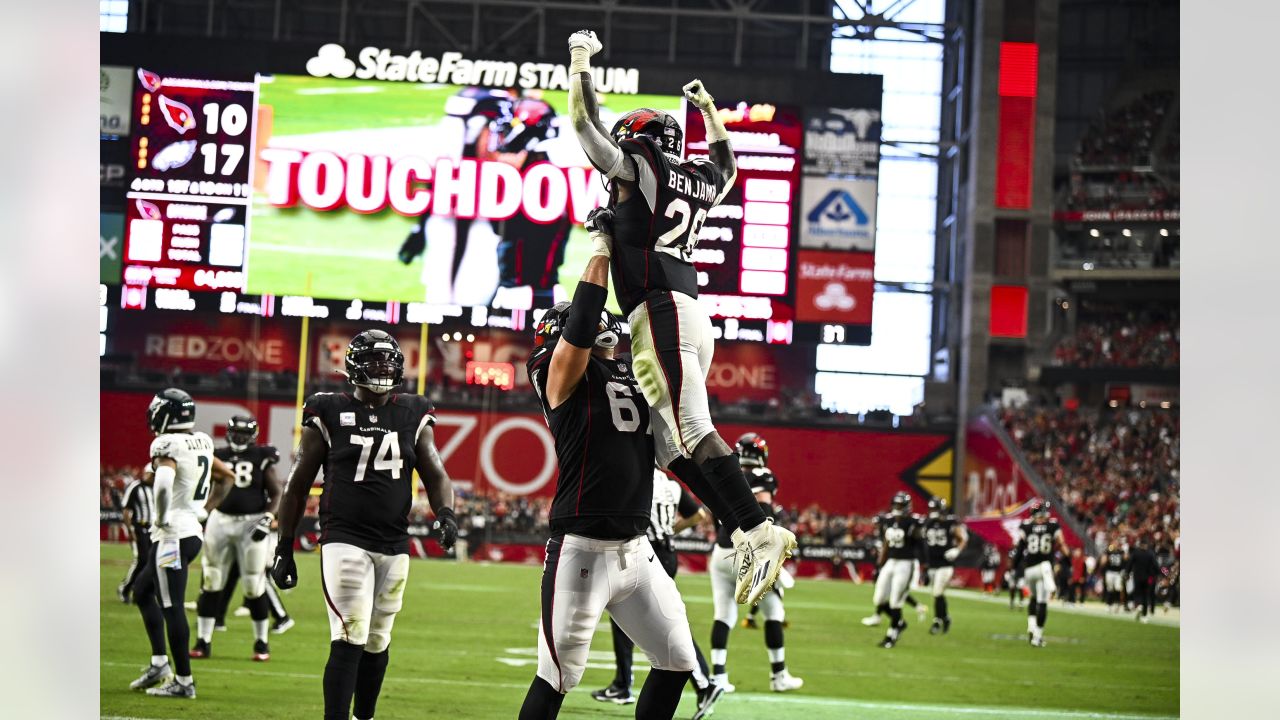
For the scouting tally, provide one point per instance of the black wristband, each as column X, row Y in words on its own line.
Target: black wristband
column 583, row 325
column 285, row 544
column 446, row 513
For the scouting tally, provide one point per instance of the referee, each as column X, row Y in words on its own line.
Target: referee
column 139, row 506
column 670, row 499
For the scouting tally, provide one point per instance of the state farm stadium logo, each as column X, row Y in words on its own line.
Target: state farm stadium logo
column 834, row 296
column 839, row 272
column 373, row 63
column 411, row 186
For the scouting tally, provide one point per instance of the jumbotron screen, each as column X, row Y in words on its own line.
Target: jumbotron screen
column 451, row 195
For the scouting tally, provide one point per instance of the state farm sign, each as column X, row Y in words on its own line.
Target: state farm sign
column 835, row 287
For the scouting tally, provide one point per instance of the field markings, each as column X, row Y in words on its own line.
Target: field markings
column 1086, row 611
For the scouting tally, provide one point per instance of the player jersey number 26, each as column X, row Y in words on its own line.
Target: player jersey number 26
column 680, row 224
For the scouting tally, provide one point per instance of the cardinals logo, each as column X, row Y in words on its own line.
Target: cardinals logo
column 147, row 210
column 179, row 116
column 150, row 81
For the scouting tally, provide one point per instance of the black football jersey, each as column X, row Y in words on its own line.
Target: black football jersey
column 368, row 472
column 938, row 539
column 656, row 229
column 604, row 448
column 900, row 535
column 249, row 491
column 1114, row 560
column 1038, row 541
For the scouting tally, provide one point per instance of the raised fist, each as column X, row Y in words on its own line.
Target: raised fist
column 698, row 95
column 585, row 39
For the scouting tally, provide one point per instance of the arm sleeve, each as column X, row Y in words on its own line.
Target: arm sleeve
column 536, row 368
column 313, row 416
column 424, row 406
column 270, row 456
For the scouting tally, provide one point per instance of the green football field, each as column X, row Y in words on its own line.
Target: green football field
column 464, row 647
column 349, row 255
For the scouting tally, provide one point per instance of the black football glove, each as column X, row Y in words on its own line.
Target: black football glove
column 600, row 220
column 415, row 243
column 262, row 528
column 284, row 571
column 447, row 524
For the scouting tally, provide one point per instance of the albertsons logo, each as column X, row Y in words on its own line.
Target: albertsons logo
column 838, row 220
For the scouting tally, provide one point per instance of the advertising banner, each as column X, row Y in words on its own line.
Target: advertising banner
column 835, row 287
column 842, row 470
column 838, row 214
column 115, row 92
column 842, row 141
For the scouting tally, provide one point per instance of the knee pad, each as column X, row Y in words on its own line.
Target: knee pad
column 727, row 612
column 772, row 608
column 678, row 655
column 378, row 640
column 212, row 579
column 255, row 584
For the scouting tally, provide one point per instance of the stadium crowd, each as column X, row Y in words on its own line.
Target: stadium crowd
column 1116, row 470
column 1124, row 136
column 1122, row 337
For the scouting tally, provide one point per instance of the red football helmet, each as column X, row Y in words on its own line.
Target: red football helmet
column 660, row 126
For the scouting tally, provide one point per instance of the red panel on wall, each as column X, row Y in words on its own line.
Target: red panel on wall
column 1008, row 311
column 1014, row 159
column 1018, row 69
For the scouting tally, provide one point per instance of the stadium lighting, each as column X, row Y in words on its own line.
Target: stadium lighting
column 471, row 337
column 1125, row 232
column 1094, row 232
column 1164, row 232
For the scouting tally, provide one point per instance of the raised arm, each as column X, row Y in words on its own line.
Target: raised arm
column 585, row 111
column 718, row 149
column 570, row 357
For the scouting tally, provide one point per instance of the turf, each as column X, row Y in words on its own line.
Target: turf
column 349, row 255
column 464, row 647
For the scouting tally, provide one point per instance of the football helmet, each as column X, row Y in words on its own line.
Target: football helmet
column 374, row 362
column 171, row 409
column 937, row 507
column 660, row 126
column 753, row 451
column 532, row 121
column 1040, row 508
column 550, row 326
column 901, row 504
column 242, row 430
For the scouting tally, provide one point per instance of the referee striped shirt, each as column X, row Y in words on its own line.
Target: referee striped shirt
column 141, row 501
column 670, row 499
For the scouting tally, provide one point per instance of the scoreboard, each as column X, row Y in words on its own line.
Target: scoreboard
column 187, row 205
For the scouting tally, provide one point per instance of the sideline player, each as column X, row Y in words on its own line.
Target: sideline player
column 670, row 500
column 184, row 468
column 598, row 557
column 369, row 442
column 990, row 565
column 237, row 533
column 659, row 203
column 139, row 506
column 901, row 547
column 1114, row 562
column 755, row 456
column 944, row 539
column 1039, row 537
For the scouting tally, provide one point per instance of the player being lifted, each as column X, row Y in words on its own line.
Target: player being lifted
column 901, row 546
column 369, row 442
column 754, row 452
column 659, row 203
column 237, row 533
column 1039, row 537
column 598, row 557
column 184, row 467
column 944, row 540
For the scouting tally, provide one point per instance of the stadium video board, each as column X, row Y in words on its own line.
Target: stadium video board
column 397, row 191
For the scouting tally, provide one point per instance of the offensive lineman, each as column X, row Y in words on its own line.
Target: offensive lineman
column 659, row 204
column 671, row 500
column 944, row 540
column 901, row 546
column 369, row 442
column 1039, row 537
column 237, row 533
column 1114, row 562
column 754, row 452
column 184, row 466
column 598, row 557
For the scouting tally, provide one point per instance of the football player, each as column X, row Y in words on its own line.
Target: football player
column 659, row 203
column 754, row 452
column 598, row 557
column 189, row 482
column 139, row 505
column 944, row 540
column 237, row 533
column 901, row 547
column 1039, row 537
column 990, row 565
column 671, row 500
column 1114, row 562
column 369, row 442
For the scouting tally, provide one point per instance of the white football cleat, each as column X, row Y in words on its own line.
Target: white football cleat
column 722, row 680
column 921, row 613
column 762, row 551
column 784, row 681
column 871, row 620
